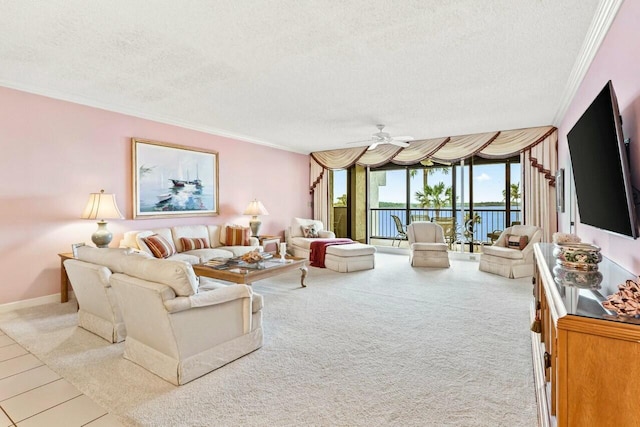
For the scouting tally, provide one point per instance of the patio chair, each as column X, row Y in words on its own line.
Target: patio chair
column 400, row 230
column 449, row 228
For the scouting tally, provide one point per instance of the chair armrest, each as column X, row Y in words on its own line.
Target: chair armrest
column 208, row 298
column 326, row 234
column 221, row 295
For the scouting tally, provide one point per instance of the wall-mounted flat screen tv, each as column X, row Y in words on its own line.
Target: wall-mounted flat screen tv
column 600, row 167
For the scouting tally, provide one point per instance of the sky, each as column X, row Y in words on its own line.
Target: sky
column 488, row 183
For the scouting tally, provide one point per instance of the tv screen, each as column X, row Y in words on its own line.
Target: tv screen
column 601, row 169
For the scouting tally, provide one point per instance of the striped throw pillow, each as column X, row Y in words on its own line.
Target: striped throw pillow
column 237, row 236
column 517, row 242
column 191, row 243
column 159, row 246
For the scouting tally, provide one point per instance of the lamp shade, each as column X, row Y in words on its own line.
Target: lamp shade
column 255, row 208
column 101, row 206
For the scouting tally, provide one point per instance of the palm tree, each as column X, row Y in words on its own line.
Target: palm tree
column 514, row 193
column 435, row 196
column 341, row 201
column 429, row 171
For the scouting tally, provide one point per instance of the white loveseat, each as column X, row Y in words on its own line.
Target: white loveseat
column 297, row 244
column 215, row 236
column 177, row 325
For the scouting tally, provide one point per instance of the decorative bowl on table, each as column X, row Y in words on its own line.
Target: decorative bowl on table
column 578, row 256
column 577, row 278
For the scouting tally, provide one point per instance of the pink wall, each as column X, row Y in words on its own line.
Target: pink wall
column 617, row 60
column 55, row 153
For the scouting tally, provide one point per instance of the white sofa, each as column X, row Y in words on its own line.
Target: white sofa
column 215, row 236
column 178, row 326
column 297, row 244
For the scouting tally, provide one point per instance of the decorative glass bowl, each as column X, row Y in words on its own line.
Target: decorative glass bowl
column 577, row 278
column 578, row 256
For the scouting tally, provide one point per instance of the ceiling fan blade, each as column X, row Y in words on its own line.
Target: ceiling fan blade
column 359, row 142
column 399, row 143
column 373, row 146
column 403, row 138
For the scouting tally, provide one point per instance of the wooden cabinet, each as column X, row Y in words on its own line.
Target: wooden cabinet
column 586, row 359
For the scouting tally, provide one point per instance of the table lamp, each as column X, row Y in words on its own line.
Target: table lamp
column 255, row 208
column 101, row 206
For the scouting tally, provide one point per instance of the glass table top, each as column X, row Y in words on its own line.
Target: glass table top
column 583, row 292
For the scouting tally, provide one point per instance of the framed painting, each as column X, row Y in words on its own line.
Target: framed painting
column 560, row 190
column 171, row 180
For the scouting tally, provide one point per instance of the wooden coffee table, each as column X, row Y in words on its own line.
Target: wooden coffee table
column 247, row 276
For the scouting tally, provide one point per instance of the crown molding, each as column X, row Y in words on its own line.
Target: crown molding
column 606, row 13
column 142, row 115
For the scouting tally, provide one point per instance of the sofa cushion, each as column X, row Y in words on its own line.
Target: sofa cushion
column 236, row 235
column 185, row 257
column 191, row 243
column 516, row 241
column 159, row 246
column 205, row 255
column 178, row 275
column 112, row 258
column 503, row 252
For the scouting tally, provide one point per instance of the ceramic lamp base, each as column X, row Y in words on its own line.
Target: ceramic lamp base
column 255, row 224
column 102, row 237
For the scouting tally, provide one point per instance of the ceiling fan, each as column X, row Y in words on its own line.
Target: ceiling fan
column 381, row 137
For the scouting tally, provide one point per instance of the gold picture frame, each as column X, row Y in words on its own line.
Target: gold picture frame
column 171, row 180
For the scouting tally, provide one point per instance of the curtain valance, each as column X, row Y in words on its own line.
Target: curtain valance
column 501, row 144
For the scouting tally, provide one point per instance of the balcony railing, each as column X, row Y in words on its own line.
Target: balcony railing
column 491, row 219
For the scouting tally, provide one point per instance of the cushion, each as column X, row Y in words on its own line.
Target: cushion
column 515, row 241
column 191, row 243
column 298, row 223
column 178, row 275
column 236, row 235
column 111, row 258
column 159, row 246
column 309, row 231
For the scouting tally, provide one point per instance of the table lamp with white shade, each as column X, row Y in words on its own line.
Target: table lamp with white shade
column 101, row 206
column 255, row 208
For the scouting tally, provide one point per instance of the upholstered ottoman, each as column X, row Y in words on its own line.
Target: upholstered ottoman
column 351, row 257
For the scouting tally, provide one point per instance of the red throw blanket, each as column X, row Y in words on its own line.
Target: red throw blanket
column 319, row 250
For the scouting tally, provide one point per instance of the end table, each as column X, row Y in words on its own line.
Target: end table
column 64, row 279
column 269, row 240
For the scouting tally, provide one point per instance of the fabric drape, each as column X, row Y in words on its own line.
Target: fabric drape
column 319, row 188
column 538, row 154
column 539, row 164
column 446, row 149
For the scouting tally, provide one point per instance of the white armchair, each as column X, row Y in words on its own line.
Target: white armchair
column 90, row 274
column 428, row 246
column 180, row 335
column 511, row 261
column 98, row 310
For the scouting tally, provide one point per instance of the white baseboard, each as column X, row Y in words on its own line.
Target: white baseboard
column 464, row 256
column 48, row 299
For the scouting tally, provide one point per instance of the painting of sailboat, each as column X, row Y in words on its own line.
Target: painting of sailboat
column 172, row 180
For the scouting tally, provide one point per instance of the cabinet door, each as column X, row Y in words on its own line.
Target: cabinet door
column 598, row 373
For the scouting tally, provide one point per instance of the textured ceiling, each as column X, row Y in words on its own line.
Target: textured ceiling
column 304, row 76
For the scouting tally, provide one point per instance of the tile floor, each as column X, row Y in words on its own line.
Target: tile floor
column 31, row 394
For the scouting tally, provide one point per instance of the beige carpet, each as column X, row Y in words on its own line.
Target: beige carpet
column 391, row 346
